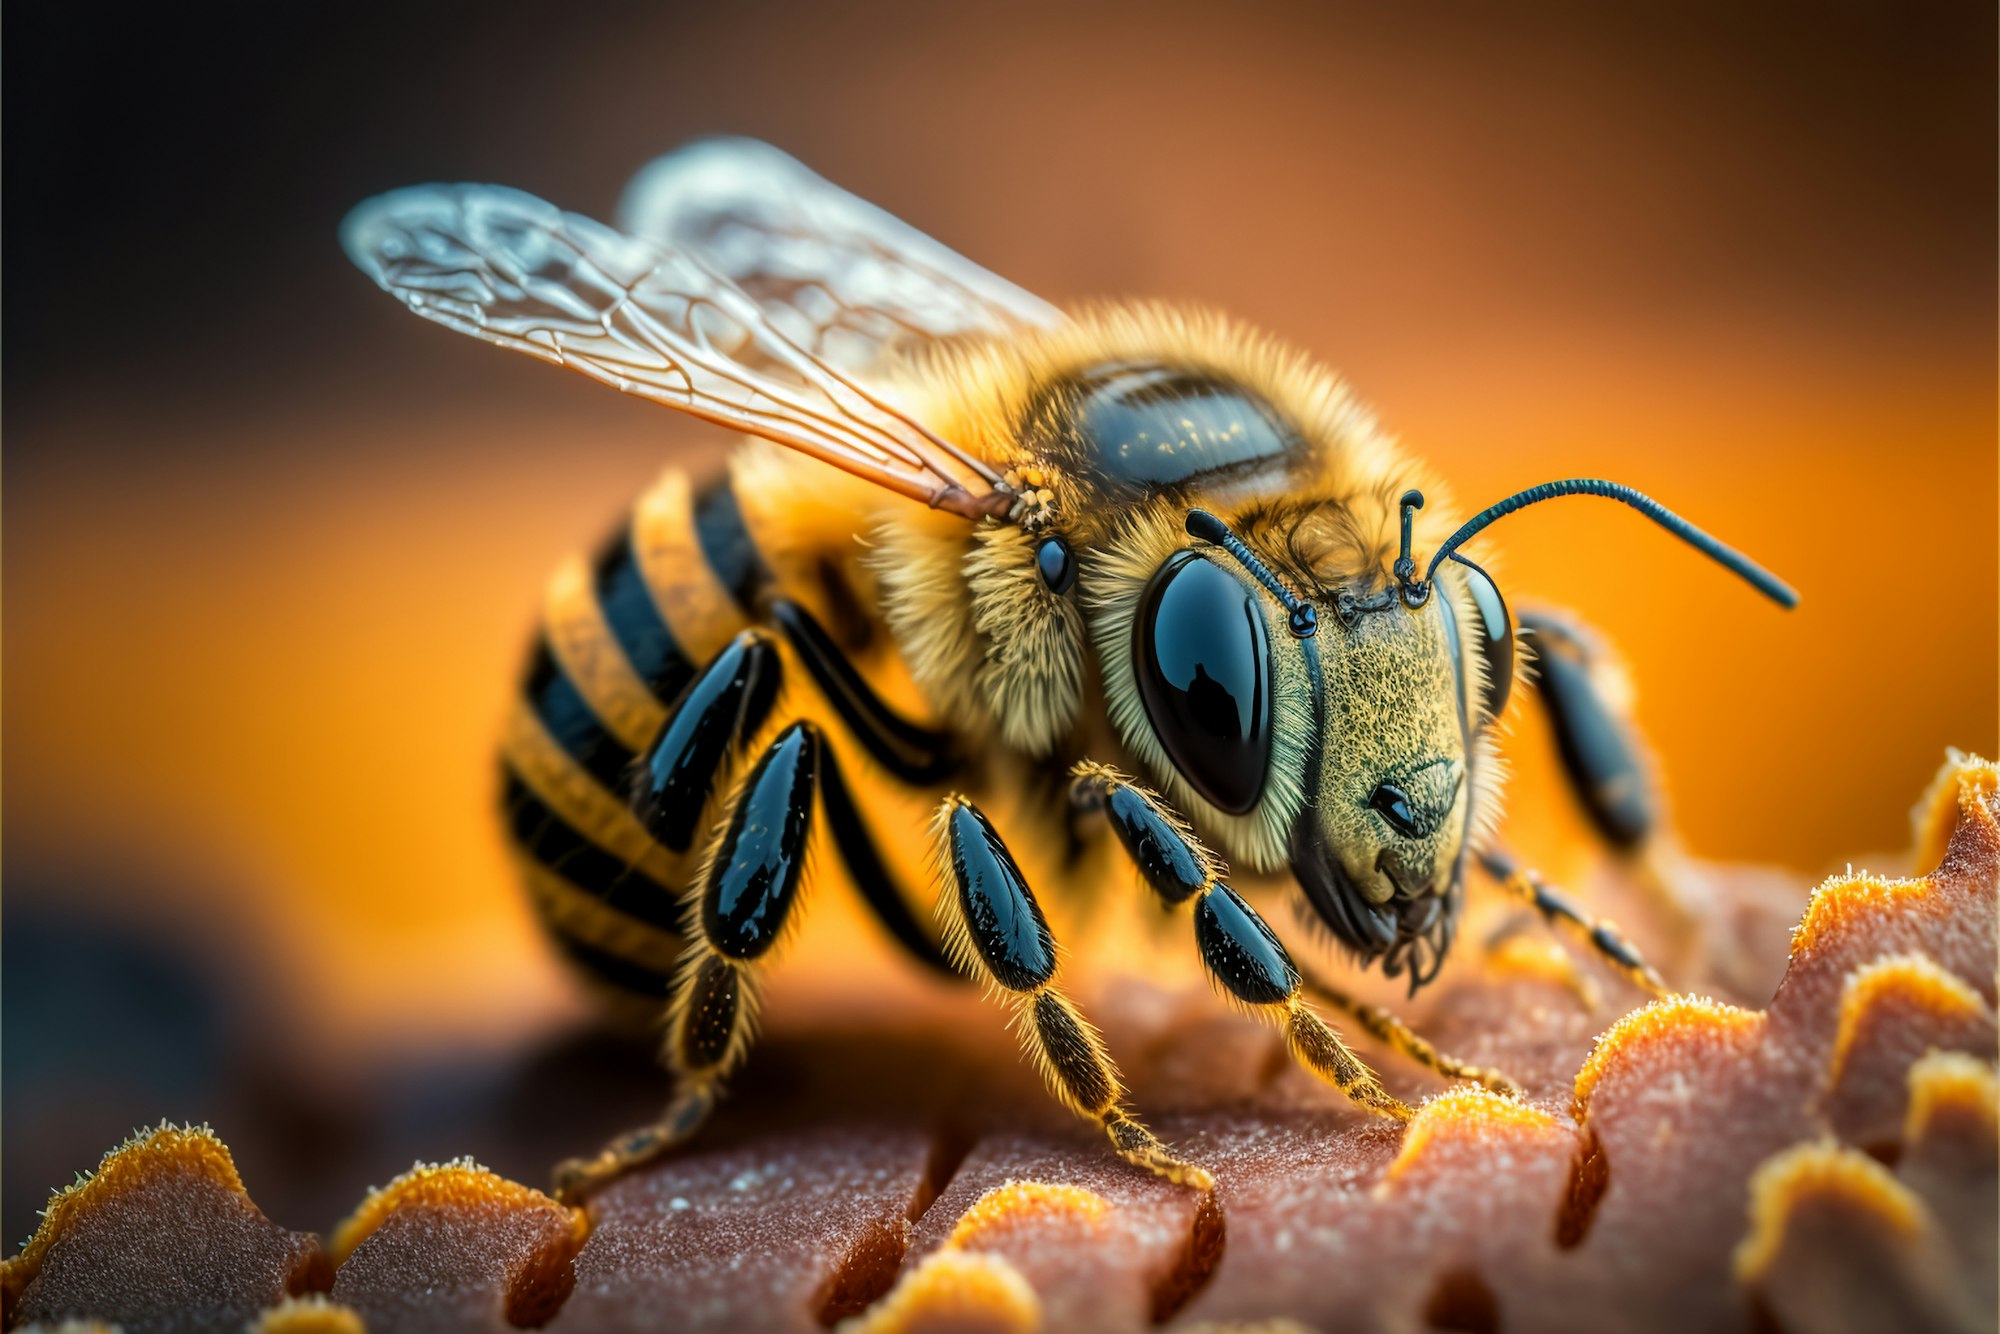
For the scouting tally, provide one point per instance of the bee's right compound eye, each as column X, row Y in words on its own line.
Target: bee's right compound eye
column 1494, row 638
column 1203, row 659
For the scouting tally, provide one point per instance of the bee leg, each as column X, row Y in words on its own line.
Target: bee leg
column 1603, row 938
column 920, row 756
column 742, row 903
column 720, row 710
column 995, row 930
column 1242, row 954
column 1393, row 1033
column 1602, row 756
column 1605, row 762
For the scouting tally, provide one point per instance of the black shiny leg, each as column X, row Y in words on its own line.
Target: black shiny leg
column 746, row 896
column 1239, row 950
column 1601, row 754
column 1603, row 938
column 720, row 710
column 1169, row 857
column 994, row 931
column 919, row 756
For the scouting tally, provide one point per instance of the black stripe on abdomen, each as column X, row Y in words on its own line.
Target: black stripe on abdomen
column 612, row 970
column 568, row 718
column 726, row 544
column 549, row 839
column 642, row 633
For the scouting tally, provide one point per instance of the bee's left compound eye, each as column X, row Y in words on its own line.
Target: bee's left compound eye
column 1494, row 638
column 1204, row 665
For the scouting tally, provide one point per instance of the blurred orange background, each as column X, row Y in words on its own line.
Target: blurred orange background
column 272, row 548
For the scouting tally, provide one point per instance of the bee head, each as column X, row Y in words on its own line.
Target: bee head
column 1335, row 721
column 1379, row 848
column 1409, row 694
column 1329, row 730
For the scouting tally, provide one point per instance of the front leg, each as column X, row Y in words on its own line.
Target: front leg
column 1604, row 759
column 1602, row 937
column 1240, row 952
column 1582, row 691
column 1382, row 1025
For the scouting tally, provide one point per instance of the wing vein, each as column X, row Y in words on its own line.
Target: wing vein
column 760, row 303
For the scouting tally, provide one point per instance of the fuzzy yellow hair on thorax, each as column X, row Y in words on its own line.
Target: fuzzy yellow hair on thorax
column 983, row 636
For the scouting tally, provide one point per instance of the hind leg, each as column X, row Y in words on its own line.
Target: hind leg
column 671, row 787
column 742, row 906
column 719, row 713
column 747, row 891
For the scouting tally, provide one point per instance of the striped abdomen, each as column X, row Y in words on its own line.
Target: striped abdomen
column 620, row 638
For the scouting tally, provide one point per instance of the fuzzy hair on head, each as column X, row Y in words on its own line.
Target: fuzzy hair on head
column 1000, row 654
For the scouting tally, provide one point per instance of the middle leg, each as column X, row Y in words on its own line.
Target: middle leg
column 1600, row 936
column 994, row 929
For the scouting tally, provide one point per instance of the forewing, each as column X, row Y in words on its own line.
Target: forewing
column 649, row 320
column 841, row 277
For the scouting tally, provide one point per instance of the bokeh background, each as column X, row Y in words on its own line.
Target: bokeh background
column 272, row 547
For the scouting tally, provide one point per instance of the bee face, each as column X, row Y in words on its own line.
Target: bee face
column 1350, row 754
column 1378, row 851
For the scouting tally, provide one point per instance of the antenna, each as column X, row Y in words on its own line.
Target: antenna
column 1303, row 619
column 1417, row 591
column 1406, row 568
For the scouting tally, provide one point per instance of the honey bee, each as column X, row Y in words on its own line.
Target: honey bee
column 1131, row 565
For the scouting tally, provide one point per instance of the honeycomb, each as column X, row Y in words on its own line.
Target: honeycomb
column 1823, row 1161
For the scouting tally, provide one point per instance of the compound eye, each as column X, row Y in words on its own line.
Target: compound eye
column 1203, row 660
column 1494, row 638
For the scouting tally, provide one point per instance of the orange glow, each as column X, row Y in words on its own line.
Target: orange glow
column 262, row 629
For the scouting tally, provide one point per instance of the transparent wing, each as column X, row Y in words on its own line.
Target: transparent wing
column 841, row 277
column 650, row 321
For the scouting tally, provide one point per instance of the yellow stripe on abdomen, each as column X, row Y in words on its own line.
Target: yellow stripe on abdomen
column 696, row 607
column 582, row 916
column 579, row 799
column 582, row 642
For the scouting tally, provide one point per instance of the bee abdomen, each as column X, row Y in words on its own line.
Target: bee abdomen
column 621, row 637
